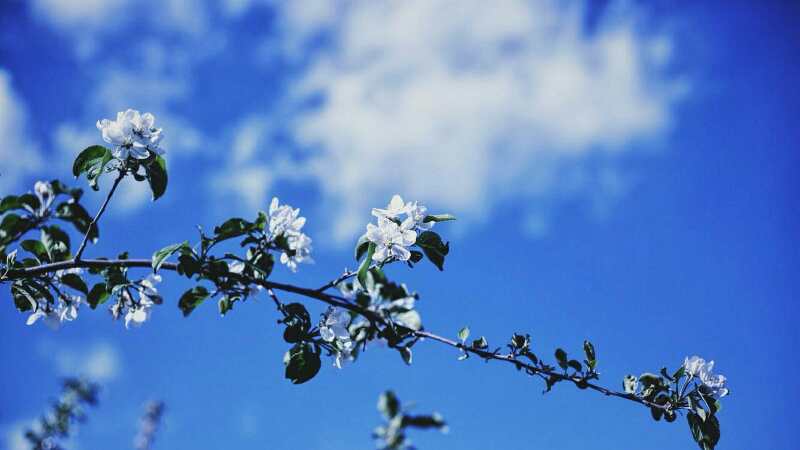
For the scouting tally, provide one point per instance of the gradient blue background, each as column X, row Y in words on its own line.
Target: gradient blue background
column 700, row 258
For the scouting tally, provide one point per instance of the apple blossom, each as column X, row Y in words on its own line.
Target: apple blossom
column 394, row 209
column 131, row 134
column 44, row 192
column 392, row 240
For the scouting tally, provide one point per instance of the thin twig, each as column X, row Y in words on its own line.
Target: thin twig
column 92, row 225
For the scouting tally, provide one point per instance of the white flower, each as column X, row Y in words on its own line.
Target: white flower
column 285, row 221
column 131, row 134
column 395, row 208
column 145, row 133
column 391, row 239
column 284, row 218
column 715, row 383
column 334, row 325
column 44, row 192
column 692, row 366
column 147, row 289
column 333, row 328
column 237, row 267
column 51, row 317
column 697, row 367
column 418, row 212
column 139, row 312
column 65, row 310
column 300, row 245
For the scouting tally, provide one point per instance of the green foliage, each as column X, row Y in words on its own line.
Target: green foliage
column 298, row 323
column 68, row 409
column 302, row 363
column 156, row 172
column 160, row 256
column 433, row 247
column 192, row 298
column 392, row 434
column 463, row 334
column 362, row 270
column 98, row 295
column 438, row 218
column 92, row 162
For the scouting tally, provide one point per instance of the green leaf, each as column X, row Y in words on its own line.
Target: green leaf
column 191, row 299
column 24, row 298
column 361, row 247
column 463, row 334
column 232, row 228
column 480, row 344
column 406, row 354
column 157, row 177
column 705, row 432
column 91, row 161
column 302, row 363
column 588, row 349
column 89, row 154
column 98, row 295
column 439, row 218
column 679, row 373
column 9, row 203
column 189, row 266
column 423, row 422
column 388, row 405
column 56, row 242
column 160, row 256
column 362, row 271
column 75, row 282
column 650, row 379
column 409, row 319
column 575, row 364
column 36, row 248
column 561, row 357
column 224, row 305
column 656, row 413
column 436, row 250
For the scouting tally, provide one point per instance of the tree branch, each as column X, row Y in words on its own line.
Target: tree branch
column 93, row 224
column 334, row 300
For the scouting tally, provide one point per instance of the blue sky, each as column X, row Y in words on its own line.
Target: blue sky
column 622, row 172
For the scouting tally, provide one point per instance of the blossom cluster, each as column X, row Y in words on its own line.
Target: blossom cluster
column 333, row 328
column 700, row 369
column 138, row 311
column 396, row 229
column 63, row 309
column 131, row 134
column 285, row 223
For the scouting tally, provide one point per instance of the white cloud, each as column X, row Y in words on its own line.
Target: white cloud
column 468, row 107
column 100, row 362
column 20, row 156
column 247, row 183
column 88, row 23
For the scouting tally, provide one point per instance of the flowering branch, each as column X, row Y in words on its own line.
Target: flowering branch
column 369, row 307
column 340, row 302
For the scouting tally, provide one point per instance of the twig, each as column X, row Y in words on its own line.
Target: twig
column 93, row 224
